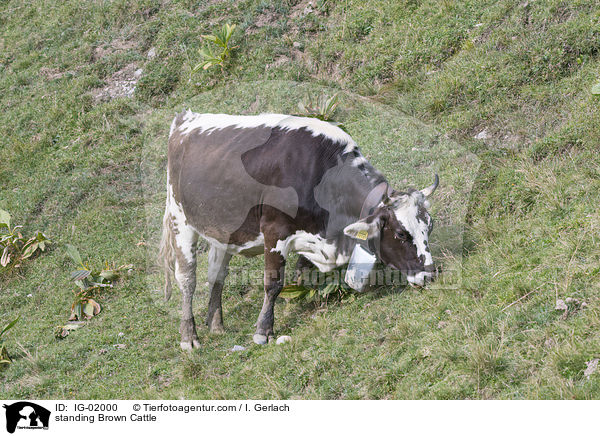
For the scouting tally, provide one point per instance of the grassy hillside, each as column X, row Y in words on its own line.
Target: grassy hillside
column 87, row 90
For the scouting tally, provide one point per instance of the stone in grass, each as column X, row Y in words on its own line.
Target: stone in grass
column 283, row 339
column 238, row 348
column 560, row 305
column 482, row 135
column 592, row 367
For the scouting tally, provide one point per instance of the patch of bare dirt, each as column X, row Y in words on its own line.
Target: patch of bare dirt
column 302, row 9
column 120, row 84
column 281, row 60
column 117, row 45
column 266, row 18
column 51, row 73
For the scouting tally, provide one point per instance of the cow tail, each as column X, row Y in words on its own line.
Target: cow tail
column 166, row 254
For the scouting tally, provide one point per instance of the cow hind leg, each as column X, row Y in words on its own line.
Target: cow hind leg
column 218, row 262
column 185, row 274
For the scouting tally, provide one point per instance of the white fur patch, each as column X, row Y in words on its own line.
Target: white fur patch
column 406, row 213
column 322, row 253
column 208, row 122
column 360, row 160
column 419, row 278
column 318, row 127
column 173, row 125
column 184, row 234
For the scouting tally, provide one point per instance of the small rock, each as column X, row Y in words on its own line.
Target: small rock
column 238, row 348
column 121, row 334
column 478, row 25
column 29, row 295
column 283, row 339
column 560, row 305
column 298, row 45
column 151, row 53
column 482, row 135
column 137, row 74
column 592, row 366
column 120, row 346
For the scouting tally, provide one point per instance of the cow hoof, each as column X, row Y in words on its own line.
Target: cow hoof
column 217, row 329
column 260, row 339
column 215, row 322
column 188, row 346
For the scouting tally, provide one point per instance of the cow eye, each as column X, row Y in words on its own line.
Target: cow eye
column 400, row 236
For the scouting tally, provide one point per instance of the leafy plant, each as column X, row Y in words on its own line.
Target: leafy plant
column 220, row 51
column 323, row 107
column 14, row 247
column 4, row 357
column 90, row 282
column 332, row 286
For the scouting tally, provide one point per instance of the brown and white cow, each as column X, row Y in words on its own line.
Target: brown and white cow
column 272, row 184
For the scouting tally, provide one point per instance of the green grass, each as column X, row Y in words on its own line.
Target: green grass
column 413, row 74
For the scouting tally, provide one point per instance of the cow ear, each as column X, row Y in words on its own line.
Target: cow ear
column 368, row 227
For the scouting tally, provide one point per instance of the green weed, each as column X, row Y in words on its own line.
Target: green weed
column 212, row 56
column 4, row 356
column 323, row 107
column 14, row 246
column 91, row 283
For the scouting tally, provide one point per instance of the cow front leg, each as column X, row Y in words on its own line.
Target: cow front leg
column 274, row 274
column 218, row 262
column 185, row 274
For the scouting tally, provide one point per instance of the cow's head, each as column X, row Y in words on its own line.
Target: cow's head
column 399, row 228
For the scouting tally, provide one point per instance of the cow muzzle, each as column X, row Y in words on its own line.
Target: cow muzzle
column 421, row 278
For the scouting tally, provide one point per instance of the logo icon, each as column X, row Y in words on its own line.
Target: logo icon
column 26, row 415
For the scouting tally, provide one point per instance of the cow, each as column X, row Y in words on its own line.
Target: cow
column 272, row 184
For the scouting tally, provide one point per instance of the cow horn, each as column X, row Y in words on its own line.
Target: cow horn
column 429, row 190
